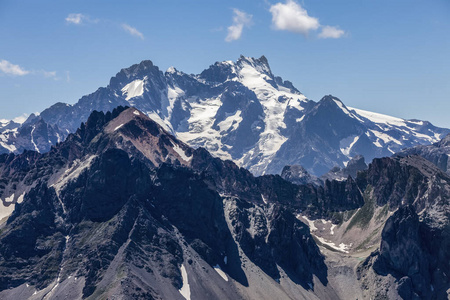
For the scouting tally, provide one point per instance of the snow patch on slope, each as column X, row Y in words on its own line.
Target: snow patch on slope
column 386, row 138
column 134, row 89
column 185, row 290
column 32, row 139
column 118, row 127
column 347, row 144
column 232, row 121
column 200, row 131
column 220, row 272
column 311, row 225
column 342, row 247
column 7, row 210
column 181, row 153
column 380, row 118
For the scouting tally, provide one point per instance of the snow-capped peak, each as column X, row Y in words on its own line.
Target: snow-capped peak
column 261, row 65
column 240, row 110
column 171, row 70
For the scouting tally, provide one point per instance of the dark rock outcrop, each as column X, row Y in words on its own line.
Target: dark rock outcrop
column 101, row 208
column 298, row 175
column 438, row 153
column 352, row 168
column 416, row 254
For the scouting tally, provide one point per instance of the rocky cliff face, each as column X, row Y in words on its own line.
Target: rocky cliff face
column 34, row 134
column 352, row 168
column 414, row 244
column 299, row 175
column 236, row 110
column 103, row 216
column 123, row 209
column 438, row 153
column 415, row 254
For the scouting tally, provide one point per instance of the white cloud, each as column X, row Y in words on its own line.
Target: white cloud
column 133, row 31
column 75, row 18
column 331, row 32
column 11, row 69
column 240, row 20
column 292, row 17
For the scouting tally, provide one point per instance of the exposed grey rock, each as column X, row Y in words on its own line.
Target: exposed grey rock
column 438, row 153
column 298, row 175
column 414, row 247
column 352, row 168
column 103, row 209
column 415, row 254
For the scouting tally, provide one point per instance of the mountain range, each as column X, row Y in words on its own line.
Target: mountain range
column 238, row 111
column 122, row 209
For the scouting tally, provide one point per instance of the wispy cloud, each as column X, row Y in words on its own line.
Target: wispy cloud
column 79, row 19
column 75, row 18
column 133, row 31
column 15, row 70
column 331, row 32
column 240, row 20
column 291, row 16
column 11, row 69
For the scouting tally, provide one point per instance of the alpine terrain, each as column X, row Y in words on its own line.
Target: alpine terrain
column 122, row 209
column 236, row 110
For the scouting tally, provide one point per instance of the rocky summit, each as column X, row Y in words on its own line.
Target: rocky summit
column 122, row 209
column 239, row 111
column 438, row 153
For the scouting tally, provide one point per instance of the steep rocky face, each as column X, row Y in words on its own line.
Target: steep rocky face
column 355, row 165
column 403, row 221
column 34, row 134
column 239, row 111
column 124, row 209
column 415, row 254
column 298, row 175
column 314, row 200
column 101, row 217
column 352, row 168
column 412, row 259
column 270, row 236
column 409, row 180
column 438, row 153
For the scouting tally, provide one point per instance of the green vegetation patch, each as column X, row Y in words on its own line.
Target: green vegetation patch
column 340, row 217
column 364, row 244
column 362, row 218
column 383, row 213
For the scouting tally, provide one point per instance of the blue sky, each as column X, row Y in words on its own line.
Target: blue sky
column 385, row 56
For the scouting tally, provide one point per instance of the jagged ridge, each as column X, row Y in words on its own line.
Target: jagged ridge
column 240, row 111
